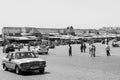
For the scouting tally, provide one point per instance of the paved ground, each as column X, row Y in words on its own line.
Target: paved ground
column 80, row 66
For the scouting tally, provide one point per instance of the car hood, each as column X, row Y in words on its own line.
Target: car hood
column 26, row 60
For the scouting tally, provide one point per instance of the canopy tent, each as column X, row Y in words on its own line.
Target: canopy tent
column 21, row 38
column 65, row 36
column 26, row 34
column 53, row 37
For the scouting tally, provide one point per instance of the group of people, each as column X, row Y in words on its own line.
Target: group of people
column 92, row 49
column 83, row 47
column 107, row 50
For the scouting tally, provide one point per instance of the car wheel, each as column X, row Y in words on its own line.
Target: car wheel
column 46, row 52
column 39, row 53
column 42, row 71
column 17, row 70
column 5, row 68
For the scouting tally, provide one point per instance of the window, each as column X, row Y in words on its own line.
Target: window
column 21, row 55
column 7, row 56
column 17, row 55
column 10, row 55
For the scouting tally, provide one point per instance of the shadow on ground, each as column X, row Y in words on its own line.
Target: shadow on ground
column 34, row 73
column 30, row 73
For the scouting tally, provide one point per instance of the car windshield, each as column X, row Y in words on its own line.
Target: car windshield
column 21, row 55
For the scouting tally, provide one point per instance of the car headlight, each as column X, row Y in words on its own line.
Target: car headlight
column 43, row 63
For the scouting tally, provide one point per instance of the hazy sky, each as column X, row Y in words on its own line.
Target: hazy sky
column 60, row 13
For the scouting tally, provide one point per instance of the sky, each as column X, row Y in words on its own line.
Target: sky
column 81, row 14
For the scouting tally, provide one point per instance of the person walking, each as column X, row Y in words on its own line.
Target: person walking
column 81, row 47
column 28, row 47
column 94, row 50
column 90, row 49
column 108, row 50
column 18, row 47
column 84, row 47
column 70, row 50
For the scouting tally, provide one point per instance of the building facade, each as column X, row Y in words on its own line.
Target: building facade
column 18, row 31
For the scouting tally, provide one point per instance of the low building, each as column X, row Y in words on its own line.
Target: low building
column 21, row 31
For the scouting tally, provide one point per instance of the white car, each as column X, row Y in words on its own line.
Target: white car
column 41, row 50
column 23, row 61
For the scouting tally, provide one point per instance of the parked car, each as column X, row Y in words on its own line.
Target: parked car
column 52, row 46
column 116, row 44
column 19, row 46
column 23, row 61
column 8, row 48
column 41, row 50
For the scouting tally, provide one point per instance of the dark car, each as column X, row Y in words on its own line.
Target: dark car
column 8, row 48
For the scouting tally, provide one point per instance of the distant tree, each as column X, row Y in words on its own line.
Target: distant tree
column 67, row 28
column 71, row 27
column 69, row 31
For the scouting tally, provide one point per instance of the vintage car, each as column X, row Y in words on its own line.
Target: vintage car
column 23, row 61
column 41, row 50
column 116, row 44
column 51, row 46
column 8, row 48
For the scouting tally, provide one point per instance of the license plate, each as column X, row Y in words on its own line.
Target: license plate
column 34, row 67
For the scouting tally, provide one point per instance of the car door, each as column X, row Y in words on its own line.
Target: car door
column 6, row 61
column 11, row 61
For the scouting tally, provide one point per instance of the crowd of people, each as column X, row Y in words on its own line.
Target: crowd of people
column 92, row 49
column 13, row 46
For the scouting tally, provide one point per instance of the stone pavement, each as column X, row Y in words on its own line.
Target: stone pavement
column 80, row 66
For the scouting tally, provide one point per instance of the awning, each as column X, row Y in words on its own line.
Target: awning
column 21, row 38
